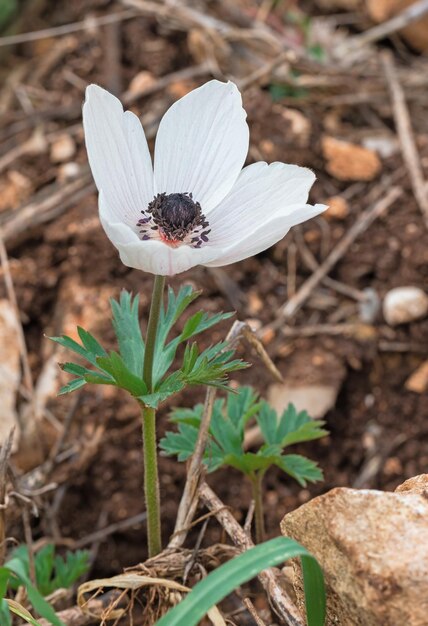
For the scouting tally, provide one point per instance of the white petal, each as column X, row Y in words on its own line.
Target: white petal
column 202, row 143
column 266, row 234
column 118, row 155
column 151, row 256
column 261, row 192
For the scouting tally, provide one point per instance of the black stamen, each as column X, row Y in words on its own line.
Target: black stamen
column 176, row 215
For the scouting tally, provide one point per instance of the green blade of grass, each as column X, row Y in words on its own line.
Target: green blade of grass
column 239, row 570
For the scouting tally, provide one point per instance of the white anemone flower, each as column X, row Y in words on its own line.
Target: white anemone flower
column 197, row 205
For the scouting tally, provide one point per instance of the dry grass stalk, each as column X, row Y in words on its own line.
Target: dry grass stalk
column 5, row 452
column 405, row 133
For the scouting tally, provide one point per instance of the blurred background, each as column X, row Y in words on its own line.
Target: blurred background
column 340, row 86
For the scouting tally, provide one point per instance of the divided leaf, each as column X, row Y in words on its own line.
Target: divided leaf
column 124, row 368
column 299, row 467
column 225, row 445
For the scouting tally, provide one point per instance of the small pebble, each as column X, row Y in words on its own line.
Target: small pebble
column 404, row 304
column 62, row 149
column 338, row 208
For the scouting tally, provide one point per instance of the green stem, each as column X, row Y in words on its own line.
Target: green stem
column 151, row 479
column 152, row 328
column 256, row 484
column 151, row 482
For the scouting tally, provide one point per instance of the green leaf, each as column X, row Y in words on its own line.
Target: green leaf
column 168, row 387
column 55, row 572
column 181, row 443
column 44, row 564
column 176, row 306
column 196, row 324
column 70, row 569
column 70, row 344
column 73, row 385
column 291, row 428
column 229, row 437
column 189, row 416
column 299, row 467
column 211, row 367
column 74, row 368
column 95, row 378
column 21, row 612
column 4, row 613
column 242, row 406
column 8, row 8
column 297, row 427
column 267, row 420
column 17, row 567
column 114, row 365
column 248, row 462
column 126, row 325
column 90, row 343
column 222, row 581
column 200, row 322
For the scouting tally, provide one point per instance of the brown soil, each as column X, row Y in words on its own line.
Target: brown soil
column 375, row 416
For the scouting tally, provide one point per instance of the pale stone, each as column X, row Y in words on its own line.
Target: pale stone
column 338, row 208
column 63, row 148
column 416, row 484
column 418, row 381
column 68, row 171
column 373, row 549
column 315, row 399
column 404, row 304
column 10, row 371
column 348, row 161
column 141, row 82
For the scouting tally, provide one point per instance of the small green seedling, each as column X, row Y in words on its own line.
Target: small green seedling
column 52, row 572
column 226, row 447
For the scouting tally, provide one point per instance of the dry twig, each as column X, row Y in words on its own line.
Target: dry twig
column 5, row 452
column 10, row 289
column 405, row 134
column 413, row 13
column 281, row 602
column 360, row 226
column 58, row 31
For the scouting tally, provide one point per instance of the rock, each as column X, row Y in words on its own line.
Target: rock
column 418, row 381
column 348, row 161
column 315, row 399
column 141, row 83
column 10, row 370
column 373, row 549
column 404, row 304
column 15, row 188
column 386, row 144
column 312, row 380
column 338, row 208
column 63, row 148
column 416, row 484
column 68, row 171
column 415, row 33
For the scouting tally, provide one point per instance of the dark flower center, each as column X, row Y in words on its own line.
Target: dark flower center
column 176, row 217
